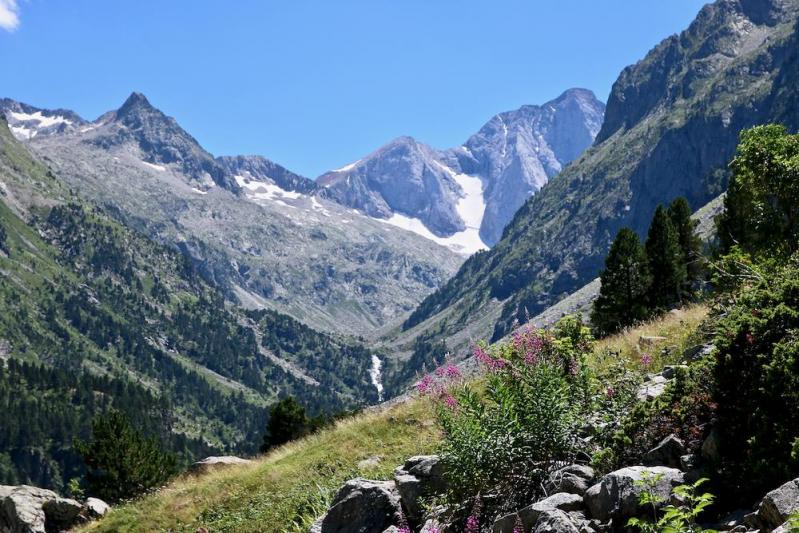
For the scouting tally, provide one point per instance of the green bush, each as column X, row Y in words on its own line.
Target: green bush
column 757, row 381
column 674, row 518
column 504, row 439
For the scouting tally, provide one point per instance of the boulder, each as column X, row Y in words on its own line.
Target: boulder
column 670, row 372
column 616, row 496
column 555, row 521
column 779, row 504
column 214, row 462
column 427, row 468
column 95, row 508
column 420, row 477
column 362, row 506
column 574, row 479
column 21, row 509
column 61, row 513
column 666, row 453
column 562, row 502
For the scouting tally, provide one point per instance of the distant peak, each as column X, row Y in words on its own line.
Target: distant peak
column 135, row 101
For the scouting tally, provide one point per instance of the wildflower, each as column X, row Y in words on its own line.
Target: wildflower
column 450, row 401
column 573, row 368
column 518, row 526
column 750, row 339
column 646, row 359
column 452, row 372
column 425, row 385
column 473, row 522
column 610, row 392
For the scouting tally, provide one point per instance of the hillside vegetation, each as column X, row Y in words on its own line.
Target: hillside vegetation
column 289, row 487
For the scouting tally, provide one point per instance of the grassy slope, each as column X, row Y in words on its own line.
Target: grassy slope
column 285, row 489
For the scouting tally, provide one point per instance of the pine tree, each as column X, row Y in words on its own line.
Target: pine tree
column 665, row 262
column 625, row 281
column 690, row 244
column 287, row 421
column 121, row 462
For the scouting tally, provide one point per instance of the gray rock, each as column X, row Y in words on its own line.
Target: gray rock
column 688, row 462
column 214, row 462
column 616, row 496
column 561, row 502
column 61, row 513
column 95, row 508
column 21, row 509
column 420, row 477
column 362, row 506
column 369, row 462
column 666, row 453
column 652, row 388
column 556, row 521
column 779, row 504
column 411, row 492
column 574, row 479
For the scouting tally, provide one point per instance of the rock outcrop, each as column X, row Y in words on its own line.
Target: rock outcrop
column 26, row 509
column 362, row 506
column 214, row 462
column 617, row 496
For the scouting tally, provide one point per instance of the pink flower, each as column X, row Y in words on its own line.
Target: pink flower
column 472, row 525
column 573, row 368
column 440, row 371
column 452, row 372
column 646, row 359
column 750, row 339
column 610, row 392
column 450, row 401
column 425, row 386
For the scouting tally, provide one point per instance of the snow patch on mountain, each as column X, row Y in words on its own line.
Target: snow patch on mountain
column 159, row 168
column 464, row 242
column 345, row 168
column 265, row 191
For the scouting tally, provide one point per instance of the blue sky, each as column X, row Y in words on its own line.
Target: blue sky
column 315, row 85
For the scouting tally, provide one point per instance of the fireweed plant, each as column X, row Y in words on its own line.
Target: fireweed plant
column 505, row 434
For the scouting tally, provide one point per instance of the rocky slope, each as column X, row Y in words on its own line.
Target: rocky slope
column 252, row 227
column 672, row 125
column 465, row 196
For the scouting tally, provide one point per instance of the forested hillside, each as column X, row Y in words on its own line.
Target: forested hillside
column 94, row 316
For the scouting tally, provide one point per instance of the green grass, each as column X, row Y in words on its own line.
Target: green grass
column 287, row 488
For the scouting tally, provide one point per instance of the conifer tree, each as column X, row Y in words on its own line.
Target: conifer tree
column 665, row 262
column 121, row 462
column 625, row 282
column 287, row 421
column 689, row 242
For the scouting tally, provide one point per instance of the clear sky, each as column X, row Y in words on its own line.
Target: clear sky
column 314, row 85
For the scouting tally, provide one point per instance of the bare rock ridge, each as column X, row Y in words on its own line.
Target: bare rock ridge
column 511, row 157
